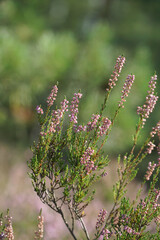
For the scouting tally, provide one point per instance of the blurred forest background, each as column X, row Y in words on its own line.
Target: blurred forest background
column 75, row 43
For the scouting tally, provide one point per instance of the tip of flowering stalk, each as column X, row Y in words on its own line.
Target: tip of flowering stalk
column 104, row 174
column 40, row 212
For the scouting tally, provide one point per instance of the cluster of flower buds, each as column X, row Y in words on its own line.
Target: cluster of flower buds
column 150, row 147
column 106, row 233
column 64, row 106
column 117, row 70
column 126, row 89
column 151, row 100
column 74, row 107
column 79, row 128
column 39, row 232
column 156, row 130
column 101, row 218
column 57, row 116
column 93, row 123
column 150, row 171
column 87, row 162
column 52, row 97
column 125, row 218
column 143, row 204
column 104, row 174
column 9, row 229
column 130, row 230
column 157, row 195
column 104, row 127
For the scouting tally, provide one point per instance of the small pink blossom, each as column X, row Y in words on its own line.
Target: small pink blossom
column 128, row 229
column 39, row 110
column 106, row 233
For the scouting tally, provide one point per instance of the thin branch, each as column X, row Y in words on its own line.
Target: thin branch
column 72, row 217
column 84, row 228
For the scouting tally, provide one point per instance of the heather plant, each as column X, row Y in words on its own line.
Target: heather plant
column 68, row 159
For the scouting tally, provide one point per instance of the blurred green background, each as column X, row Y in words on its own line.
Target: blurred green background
column 75, row 43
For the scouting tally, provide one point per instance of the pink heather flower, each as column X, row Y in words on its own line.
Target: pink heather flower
column 149, row 171
column 101, row 218
column 151, row 100
column 150, row 147
column 143, row 204
column 52, row 97
column 128, row 229
column 39, row 110
column 93, row 123
column 43, row 133
column 79, row 128
column 104, row 127
column 155, row 130
column 87, row 162
column 106, row 233
column 117, row 70
column 126, row 89
column 125, row 218
column 74, row 107
column 57, row 115
column 9, row 229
